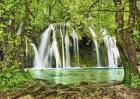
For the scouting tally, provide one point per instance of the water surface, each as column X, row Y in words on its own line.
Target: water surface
column 77, row 75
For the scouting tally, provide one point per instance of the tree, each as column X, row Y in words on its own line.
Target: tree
column 125, row 40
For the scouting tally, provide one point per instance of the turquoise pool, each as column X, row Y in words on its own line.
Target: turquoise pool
column 77, row 75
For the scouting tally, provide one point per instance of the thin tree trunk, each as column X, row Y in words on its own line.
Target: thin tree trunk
column 5, row 37
column 24, row 31
column 138, row 20
column 12, row 29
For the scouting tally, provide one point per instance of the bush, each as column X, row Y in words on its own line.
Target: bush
column 13, row 77
column 135, row 82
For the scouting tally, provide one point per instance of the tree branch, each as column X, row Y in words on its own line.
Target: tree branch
column 93, row 4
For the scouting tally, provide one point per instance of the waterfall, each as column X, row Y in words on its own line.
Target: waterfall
column 75, row 46
column 47, row 54
column 45, row 39
column 67, row 44
column 54, row 51
column 112, row 50
column 63, row 52
column 37, row 61
column 10, row 22
column 96, row 46
column 20, row 28
column 26, row 50
column 47, row 49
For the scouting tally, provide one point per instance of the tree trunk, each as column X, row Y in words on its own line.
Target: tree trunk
column 129, row 38
column 24, row 31
column 125, row 40
column 120, row 39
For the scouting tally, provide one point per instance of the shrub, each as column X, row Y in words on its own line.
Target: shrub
column 13, row 77
column 135, row 82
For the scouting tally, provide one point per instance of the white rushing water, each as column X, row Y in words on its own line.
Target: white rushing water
column 112, row 50
column 67, row 45
column 37, row 61
column 45, row 40
column 96, row 47
column 47, row 50
column 63, row 51
column 54, row 52
column 75, row 46
column 20, row 28
column 48, row 54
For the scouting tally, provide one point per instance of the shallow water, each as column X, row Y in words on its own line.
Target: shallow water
column 77, row 75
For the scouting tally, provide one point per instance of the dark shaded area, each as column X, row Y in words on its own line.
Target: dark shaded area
column 1, row 55
column 86, row 42
column 87, row 52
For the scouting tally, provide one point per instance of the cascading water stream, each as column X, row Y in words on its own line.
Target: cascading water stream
column 26, row 50
column 47, row 49
column 54, row 51
column 10, row 22
column 96, row 46
column 20, row 28
column 112, row 50
column 75, row 46
column 67, row 44
column 63, row 51
column 37, row 61
column 45, row 39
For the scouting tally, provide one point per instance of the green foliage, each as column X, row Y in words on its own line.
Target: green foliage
column 13, row 77
column 127, row 74
column 129, row 78
column 11, row 55
column 135, row 82
column 81, row 13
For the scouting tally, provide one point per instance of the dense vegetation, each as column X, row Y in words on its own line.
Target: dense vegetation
column 22, row 21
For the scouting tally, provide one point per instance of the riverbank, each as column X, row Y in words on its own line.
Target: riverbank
column 42, row 89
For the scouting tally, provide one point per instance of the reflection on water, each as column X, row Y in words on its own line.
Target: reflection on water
column 75, row 76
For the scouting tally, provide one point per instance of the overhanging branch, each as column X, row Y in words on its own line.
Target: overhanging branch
column 104, row 10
